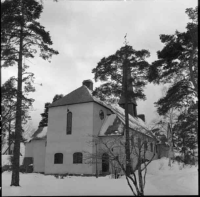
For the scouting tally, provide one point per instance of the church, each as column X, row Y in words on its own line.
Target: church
column 72, row 122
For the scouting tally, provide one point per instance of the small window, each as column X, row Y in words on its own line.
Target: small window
column 69, row 123
column 151, row 144
column 58, row 158
column 156, row 147
column 77, row 158
column 145, row 145
column 101, row 114
column 135, row 111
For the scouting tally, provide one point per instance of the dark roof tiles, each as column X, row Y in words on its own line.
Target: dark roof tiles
column 80, row 95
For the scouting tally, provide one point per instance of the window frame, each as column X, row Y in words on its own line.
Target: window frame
column 57, row 159
column 77, row 158
column 151, row 146
column 69, row 123
column 101, row 114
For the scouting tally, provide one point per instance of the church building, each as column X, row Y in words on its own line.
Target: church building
column 72, row 121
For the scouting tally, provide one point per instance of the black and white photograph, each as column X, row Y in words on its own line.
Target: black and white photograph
column 99, row 97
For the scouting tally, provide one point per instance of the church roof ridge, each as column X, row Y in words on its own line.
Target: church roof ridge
column 84, row 95
column 79, row 95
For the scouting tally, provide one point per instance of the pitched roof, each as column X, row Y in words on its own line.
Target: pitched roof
column 80, row 95
column 40, row 134
column 111, row 122
column 84, row 95
column 112, row 126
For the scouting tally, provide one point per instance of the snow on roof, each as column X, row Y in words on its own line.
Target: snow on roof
column 112, row 126
column 134, row 122
column 40, row 134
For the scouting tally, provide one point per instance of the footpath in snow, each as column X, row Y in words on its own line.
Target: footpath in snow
column 160, row 180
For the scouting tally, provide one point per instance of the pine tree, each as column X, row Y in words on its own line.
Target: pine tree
column 186, row 131
column 177, row 64
column 9, row 98
column 22, row 35
column 115, row 71
column 110, row 71
column 44, row 121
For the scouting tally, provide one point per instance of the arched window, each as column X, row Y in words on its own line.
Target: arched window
column 145, row 145
column 77, row 158
column 69, row 123
column 151, row 147
column 105, row 162
column 58, row 158
column 156, row 147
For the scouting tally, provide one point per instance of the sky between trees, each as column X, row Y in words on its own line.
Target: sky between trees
column 84, row 32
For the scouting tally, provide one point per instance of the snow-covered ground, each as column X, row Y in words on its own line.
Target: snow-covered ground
column 160, row 180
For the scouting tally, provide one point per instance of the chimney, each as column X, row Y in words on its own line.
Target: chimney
column 89, row 84
column 142, row 116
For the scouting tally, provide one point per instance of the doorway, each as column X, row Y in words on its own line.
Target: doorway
column 105, row 163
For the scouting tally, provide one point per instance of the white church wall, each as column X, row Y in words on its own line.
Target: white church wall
column 59, row 142
column 36, row 150
column 29, row 149
column 97, row 126
column 120, row 150
column 39, row 155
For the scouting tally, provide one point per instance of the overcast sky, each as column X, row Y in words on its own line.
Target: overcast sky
column 84, row 32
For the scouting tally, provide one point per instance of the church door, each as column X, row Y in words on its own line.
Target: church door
column 105, row 163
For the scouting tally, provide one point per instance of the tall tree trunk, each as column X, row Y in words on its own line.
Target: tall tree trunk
column 141, row 192
column 0, row 77
column 183, row 149
column 170, row 142
column 127, row 147
column 96, row 162
column 18, row 127
column 9, row 134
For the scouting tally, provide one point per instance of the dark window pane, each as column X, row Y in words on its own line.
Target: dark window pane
column 58, row 158
column 69, row 122
column 145, row 145
column 77, row 158
column 105, row 162
column 151, row 147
